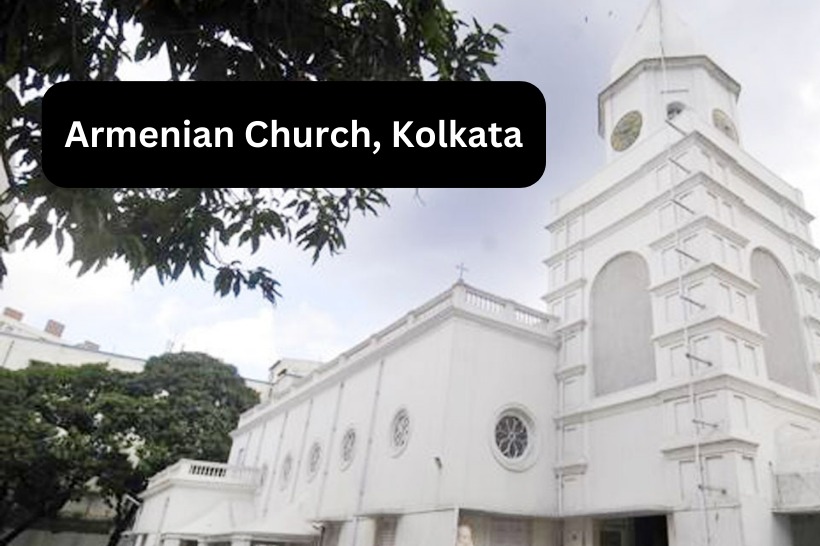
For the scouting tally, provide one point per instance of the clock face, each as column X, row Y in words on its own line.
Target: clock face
column 626, row 131
column 723, row 122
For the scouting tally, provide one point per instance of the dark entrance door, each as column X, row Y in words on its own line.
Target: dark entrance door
column 642, row 531
column 805, row 529
column 651, row 531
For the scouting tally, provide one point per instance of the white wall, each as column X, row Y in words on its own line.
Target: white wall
column 17, row 352
column 452, row 377
column 493, row 370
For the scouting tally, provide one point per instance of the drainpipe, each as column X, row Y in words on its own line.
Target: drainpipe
column 330, row 443
column 363, row 481
column 273, row 473
column 296, row 474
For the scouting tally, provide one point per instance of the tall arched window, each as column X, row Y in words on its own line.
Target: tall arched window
column 779, row 321
column 622, row 349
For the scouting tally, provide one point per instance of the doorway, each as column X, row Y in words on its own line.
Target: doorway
column 805, row 529
column 642, row 531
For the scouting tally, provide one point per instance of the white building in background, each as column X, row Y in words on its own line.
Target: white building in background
column 87, row 521
column 20, row 343
column 669, row 398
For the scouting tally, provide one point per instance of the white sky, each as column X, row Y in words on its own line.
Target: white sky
column 409, row 254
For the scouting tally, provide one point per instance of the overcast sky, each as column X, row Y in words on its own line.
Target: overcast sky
column 409, row 254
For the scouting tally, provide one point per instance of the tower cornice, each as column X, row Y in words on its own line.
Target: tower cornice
column 657, row 64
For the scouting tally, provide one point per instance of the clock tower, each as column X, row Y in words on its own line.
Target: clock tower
column 660, row 73
column 685, row 280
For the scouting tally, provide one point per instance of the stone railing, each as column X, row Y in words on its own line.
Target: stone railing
column 502, row 309
column 207, row 472
column 483, row 302
column 797, row 491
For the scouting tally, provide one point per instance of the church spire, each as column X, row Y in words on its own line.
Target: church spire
column 661, row 33
column 660, row 73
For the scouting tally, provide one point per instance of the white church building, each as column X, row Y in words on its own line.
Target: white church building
column 669, row 397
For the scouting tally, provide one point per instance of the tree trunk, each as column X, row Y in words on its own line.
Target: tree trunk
column 121, row 523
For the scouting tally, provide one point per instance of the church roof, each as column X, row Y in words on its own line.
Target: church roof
column 659, row 26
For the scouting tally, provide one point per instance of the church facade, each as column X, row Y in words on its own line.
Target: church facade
column 669, row 396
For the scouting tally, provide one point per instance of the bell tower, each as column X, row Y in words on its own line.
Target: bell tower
column 660, row 73
column 685, row 281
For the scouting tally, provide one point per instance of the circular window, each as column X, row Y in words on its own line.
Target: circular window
column 287, row 469
column 348, row 447
column 513, row 438
column 400, row 431
column 314, row 460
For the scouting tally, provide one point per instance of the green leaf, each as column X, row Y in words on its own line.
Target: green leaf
column 63, row 426
column 171, row 229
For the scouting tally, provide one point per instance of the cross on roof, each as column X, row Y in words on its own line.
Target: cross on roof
column 461, row 270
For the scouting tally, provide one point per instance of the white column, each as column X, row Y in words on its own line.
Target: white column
column 364, row 532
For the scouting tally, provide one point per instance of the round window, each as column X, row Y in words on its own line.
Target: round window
column 287, row 469
column 314, row 460
column 400, row 431
column 348, row 447
column 514, row 438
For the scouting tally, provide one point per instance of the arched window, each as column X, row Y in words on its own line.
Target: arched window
column 779, row 321
column 622, row 349
column 674, row 109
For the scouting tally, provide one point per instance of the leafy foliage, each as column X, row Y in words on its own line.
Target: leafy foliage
column 170, row 229
column 67, row 430
column 53, row 439
column 196, row 403
column 174, row 229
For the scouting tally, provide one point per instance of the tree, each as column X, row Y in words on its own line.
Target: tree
column 52, row 443
column 193, row 403
column 198, row 400
column 171, row 229
column 68, row 431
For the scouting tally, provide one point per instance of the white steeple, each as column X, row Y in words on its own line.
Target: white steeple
column 660, row 73
column 661, row 33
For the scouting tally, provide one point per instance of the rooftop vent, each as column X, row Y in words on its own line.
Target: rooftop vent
column 13, row 314
column 55, row 328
